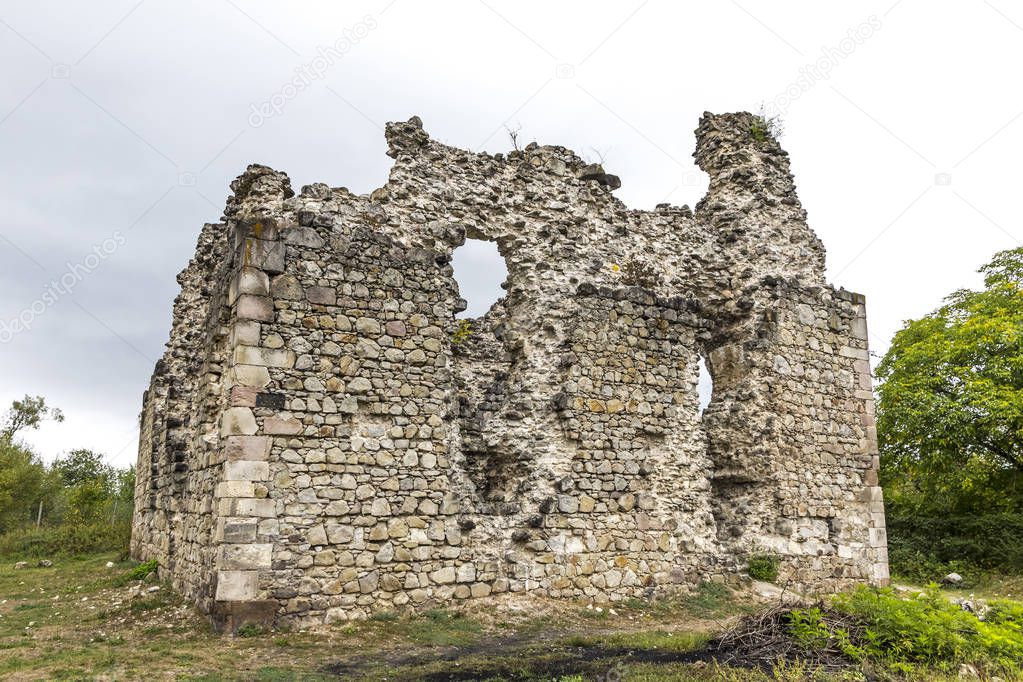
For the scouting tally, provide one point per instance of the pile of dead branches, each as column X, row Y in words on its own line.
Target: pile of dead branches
column 762, row 639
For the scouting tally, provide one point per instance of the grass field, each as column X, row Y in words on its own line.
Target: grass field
column 80, row 620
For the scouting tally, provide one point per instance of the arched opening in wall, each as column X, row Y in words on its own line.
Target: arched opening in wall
column 480, row 271
column 704, row 385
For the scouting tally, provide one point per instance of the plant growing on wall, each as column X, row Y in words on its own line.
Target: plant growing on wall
column 764, row 566
column 638, row 273
column 463, row 331
column 766, row 125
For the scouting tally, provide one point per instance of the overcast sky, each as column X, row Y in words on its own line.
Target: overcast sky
column 122, row 123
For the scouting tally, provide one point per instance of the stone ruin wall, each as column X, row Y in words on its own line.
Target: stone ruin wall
column 320, row 442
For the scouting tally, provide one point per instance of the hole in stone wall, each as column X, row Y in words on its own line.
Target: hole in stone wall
column 479, row 270
column 705, row 384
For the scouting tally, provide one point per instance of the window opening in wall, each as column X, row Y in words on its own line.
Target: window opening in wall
column 479, row 270
column 705, row 384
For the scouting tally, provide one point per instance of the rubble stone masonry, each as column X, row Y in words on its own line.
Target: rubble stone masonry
column 324, row 439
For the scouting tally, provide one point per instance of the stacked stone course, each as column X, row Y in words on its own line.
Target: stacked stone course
column 321, row 441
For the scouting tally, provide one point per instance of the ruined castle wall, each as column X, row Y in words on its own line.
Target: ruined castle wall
column 352, row 447
column 176, row 473
column 793, row 444
column 359, row 467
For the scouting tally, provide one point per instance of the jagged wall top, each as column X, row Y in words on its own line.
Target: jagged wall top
column 750, row 218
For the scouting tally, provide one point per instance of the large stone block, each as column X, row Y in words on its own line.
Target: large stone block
column 443, row 576
column 244, row 556
column 248, row 280
column 303, row 236
column 251, row 375
column 230, row 616
column 243, row 396
column 237, row 585
column 249, row 307
column 245, row 333
column 286, row 287
column 267, row 255
column 322, row 295
column 264, row 357
column 282, row 426
column 881, row 576
column 245, row 470
column 237, row 421
column 247, row 447
column 227, row 489
column 239, row 529
column 258, row 507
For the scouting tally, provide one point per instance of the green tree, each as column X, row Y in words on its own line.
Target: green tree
column 87, row 501
column 82, row 502
column 24, row 482
column 81, row 466
column 124, row 494
column 92, row 489
column 124, row 484
column 950, row 405
column 27, row 413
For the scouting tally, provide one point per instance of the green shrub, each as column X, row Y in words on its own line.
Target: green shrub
column 808, row 628
column 384, row 616
column 70, row 539
column 917, row 567
column 765, row 125
column 813, row 630
column 637, row 273
column 764, row 567
column 249, row 630
column 931, row 630
column 758, row 129
column 142, row 570
column 1005, row 611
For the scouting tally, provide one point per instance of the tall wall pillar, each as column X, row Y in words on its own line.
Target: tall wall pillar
column 872, row 496
column 246, row 517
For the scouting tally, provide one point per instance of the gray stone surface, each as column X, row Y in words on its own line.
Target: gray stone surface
column 324, row 439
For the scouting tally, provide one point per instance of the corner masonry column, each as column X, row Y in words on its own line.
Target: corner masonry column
column 246, row 517
column 877, row 538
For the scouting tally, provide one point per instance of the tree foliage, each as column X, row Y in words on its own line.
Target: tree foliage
column 76, row 494
column 27, row 413
column 80, row 466
column 92, row 489
column 950, row 405
column 24, row 481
